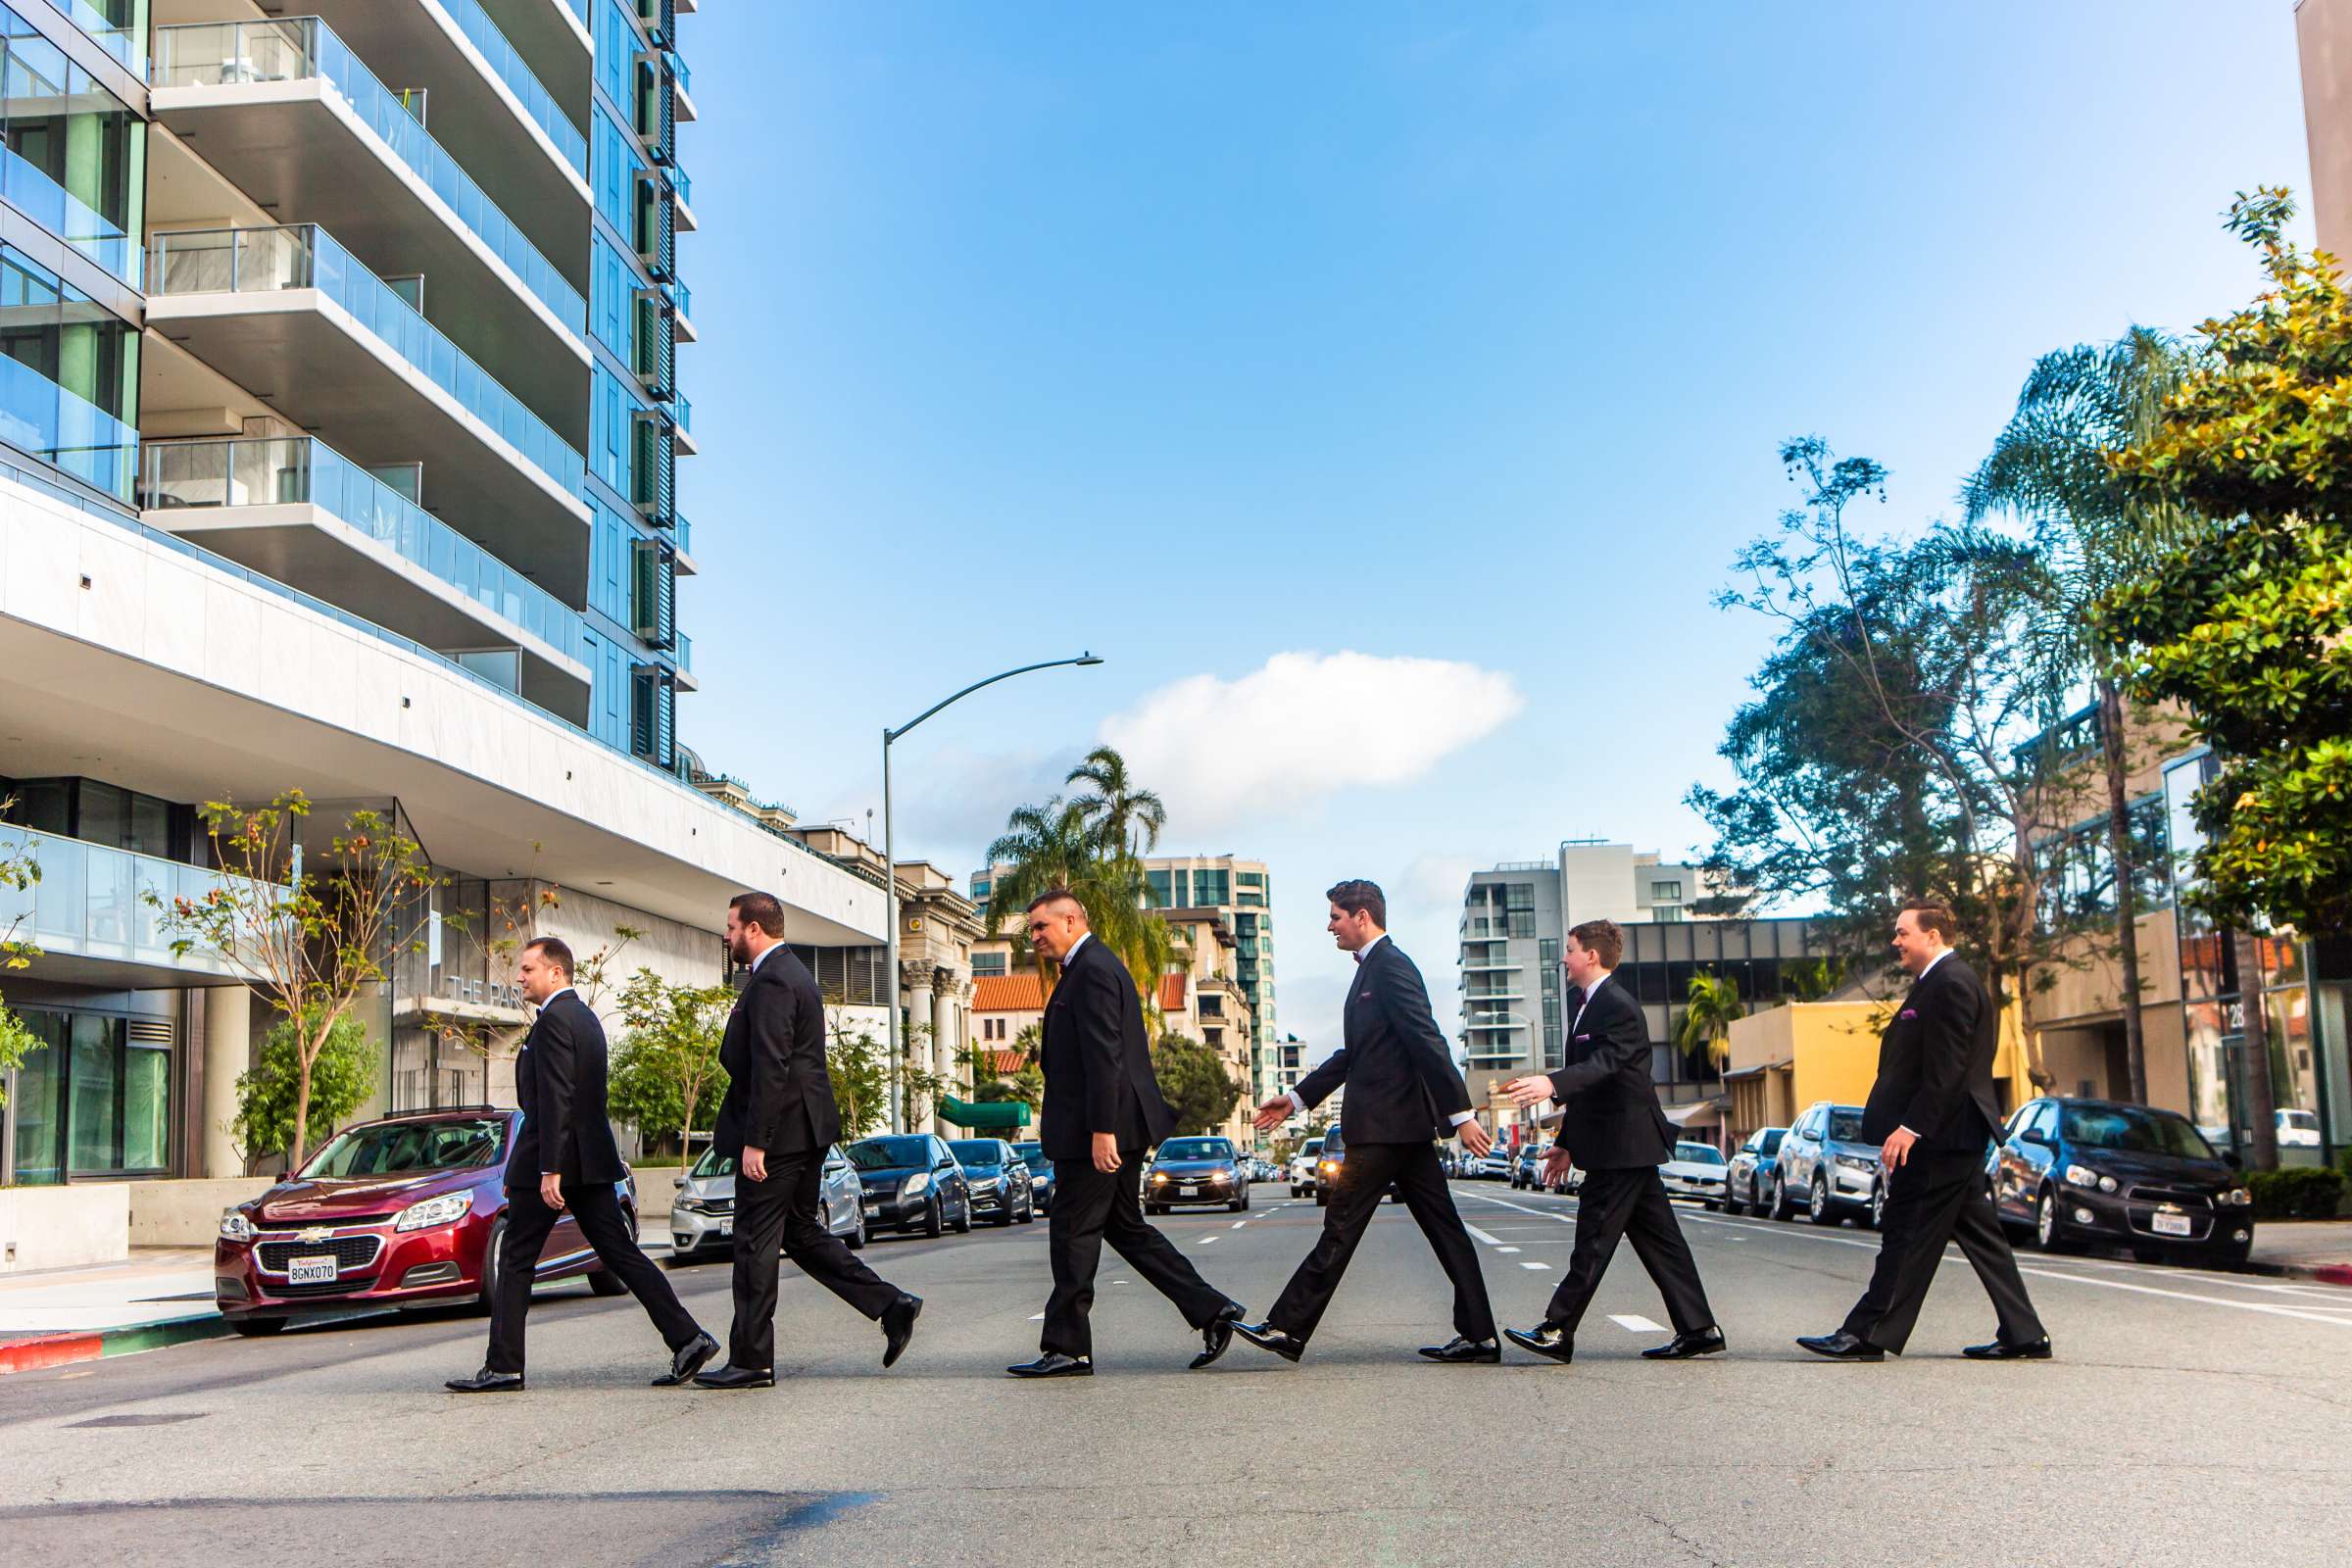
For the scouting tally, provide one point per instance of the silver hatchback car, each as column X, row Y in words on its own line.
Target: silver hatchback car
column 701, row 1216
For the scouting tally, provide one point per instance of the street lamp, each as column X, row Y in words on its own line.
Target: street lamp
column 889, row 869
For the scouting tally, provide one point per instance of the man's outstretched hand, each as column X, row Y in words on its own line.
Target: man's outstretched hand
column 1274, row 1112
column 1528, row 1091
column 1475, row 1138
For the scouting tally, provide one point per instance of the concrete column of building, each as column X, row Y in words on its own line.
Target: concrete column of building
column 227, row 1054
column 914, row 991
column 945, row 1045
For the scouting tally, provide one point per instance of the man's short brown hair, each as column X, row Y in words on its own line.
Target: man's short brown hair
column 1356, row 894
column 1604, row 938
column 556, row 950
column 1060, row 896
column 1935, row 915
column 763, row 910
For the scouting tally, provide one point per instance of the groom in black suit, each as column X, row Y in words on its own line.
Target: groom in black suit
column 1403, row 1092
column 1613, row 1130
column 776, row 1121
column 1933, row 1110
column 1103, row 1113
column 564, row 1158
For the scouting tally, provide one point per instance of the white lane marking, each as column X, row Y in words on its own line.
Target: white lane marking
column 1037, row 1317
column 1636, row 1323
column 1565, row 1219
column 1479, row 1235
column 1507, row 1248
column 2188, row 1296
column 1530, row 1263
column 1205, row 1240
column 1236, row 1224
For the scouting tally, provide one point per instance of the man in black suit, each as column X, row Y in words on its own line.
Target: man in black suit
column 1402, row 1093
column 1103, row 1113
column 564, row 1158
column 1612, row 1129
column 1935, row 1110
column 775, row 1122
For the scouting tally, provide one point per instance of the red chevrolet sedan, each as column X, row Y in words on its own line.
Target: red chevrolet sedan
column 396, row 1212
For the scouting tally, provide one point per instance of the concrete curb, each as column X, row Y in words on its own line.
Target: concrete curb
column 38, row 1352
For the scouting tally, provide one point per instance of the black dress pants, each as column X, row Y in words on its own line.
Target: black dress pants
column 1932, row 1199
column 1631, row 1204
column 597, row 1208
column 784, row 1214
column 1366, row 1176
column 1091, row 1207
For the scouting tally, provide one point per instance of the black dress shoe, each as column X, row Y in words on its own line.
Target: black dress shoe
column 2003, row 1351
column 688, row 1359
column 487, row 1382
column 732, row 1376
column 897, row 1326
column 1463, row 1349
column 1218, row 1334
column 1683, row 1346
column 1054, row 1364
column 1545, row 1340
column 1266, row 1337
column 1841, row 1346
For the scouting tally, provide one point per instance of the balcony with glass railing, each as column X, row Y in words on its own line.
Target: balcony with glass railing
column 44, row 421
column 117, row 25
column 224, row 83
column 93, row 901
column 29, row 187
column 253, row 303
column 182, row 481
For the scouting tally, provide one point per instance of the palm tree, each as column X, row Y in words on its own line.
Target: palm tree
column 1052, row 848
column 1713, row 1004
column 2049, row 469
column 1119, row 812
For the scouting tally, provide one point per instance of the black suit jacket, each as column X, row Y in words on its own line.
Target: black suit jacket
column 1402, row 1087
column 560, row 1083
column 1096, row 1060
column 1935, row 1064
column 779, row 1097
column 1610, row 1119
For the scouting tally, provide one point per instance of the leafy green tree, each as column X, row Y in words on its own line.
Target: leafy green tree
column 2249, row 623
column 1194, row 1082
column 314, row 934
column 20, row 874
column 667, row 1067
column 1073, row 846
column 1712, row 1007
column 279, row 1088
column 2052, row 466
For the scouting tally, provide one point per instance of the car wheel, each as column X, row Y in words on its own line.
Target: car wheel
column 490, row 1265
column 257, row 1328
column 1817, row 1201
column 963, row 1226
column 1780, row 1208
column 1004, row 1215
column 2046, row 1234
column 855, row 1240
column 1244, row 1200
column 935, row 1219
column 1731, row 1204
column 1029, row 1210
column 1878, row 1206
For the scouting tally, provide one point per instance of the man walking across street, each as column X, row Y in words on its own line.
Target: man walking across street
column 775, row 1122
column 1102, row 1113
column 1403, row 1092
column 1934, row 1110
column 564, row 1158
column 1612, row 1129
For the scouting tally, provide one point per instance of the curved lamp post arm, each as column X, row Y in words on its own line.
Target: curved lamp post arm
column 890, row 735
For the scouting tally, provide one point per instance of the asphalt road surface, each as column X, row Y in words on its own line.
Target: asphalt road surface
column 2191, row 1418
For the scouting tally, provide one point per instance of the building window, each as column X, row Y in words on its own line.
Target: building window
column 1668, row 912
column 1666, row 893
column 987, row 965
column 1523, row 922
column 1519, row 896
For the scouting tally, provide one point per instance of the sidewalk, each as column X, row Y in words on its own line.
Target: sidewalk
column 159, row 1295
column 2304, row 1248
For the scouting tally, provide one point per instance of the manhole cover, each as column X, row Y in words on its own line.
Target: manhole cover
column 138, row 1420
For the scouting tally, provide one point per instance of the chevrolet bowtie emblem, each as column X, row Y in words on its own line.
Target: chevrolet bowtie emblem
column 315, row 1233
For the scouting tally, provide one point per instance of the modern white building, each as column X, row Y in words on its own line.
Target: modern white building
column 339, row 418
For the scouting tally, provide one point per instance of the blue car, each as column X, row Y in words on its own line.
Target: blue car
column 1041, row 1174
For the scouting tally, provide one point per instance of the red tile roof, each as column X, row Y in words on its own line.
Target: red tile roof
column 1006, row 1062
column 1171, row 993
column 1007, row 993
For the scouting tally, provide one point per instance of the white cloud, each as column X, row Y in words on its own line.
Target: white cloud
column 1286, row 736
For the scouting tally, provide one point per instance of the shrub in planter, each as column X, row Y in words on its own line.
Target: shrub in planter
column 2300, row 1193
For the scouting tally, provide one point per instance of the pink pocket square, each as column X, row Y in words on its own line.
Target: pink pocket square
column 1580, row 1039
column 1908, row 1012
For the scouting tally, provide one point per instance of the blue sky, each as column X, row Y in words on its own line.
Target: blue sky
column 1456, row 339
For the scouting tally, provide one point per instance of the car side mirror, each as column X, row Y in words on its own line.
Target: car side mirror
column 2035, row 1135
column 677, row 1181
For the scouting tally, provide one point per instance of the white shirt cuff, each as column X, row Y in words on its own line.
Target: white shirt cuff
column 1461, row 1117
column 1906, row 1130
column 1298, row 1105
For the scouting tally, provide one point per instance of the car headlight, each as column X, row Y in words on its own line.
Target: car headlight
column 687, row 1203
column 1159, row 1178
column 2084, row 1176
column 1331, row 1167
column 916, row 1185
column 2235, row 1197
column 443, row 1210
column 1857, row 1163
column 236, row 1227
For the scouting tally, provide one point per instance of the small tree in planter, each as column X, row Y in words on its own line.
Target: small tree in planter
column 340, row 1076
column 19, row 872
column 311, row 941
column 667, row 1066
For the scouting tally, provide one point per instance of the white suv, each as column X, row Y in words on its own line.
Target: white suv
column 1303, row 1168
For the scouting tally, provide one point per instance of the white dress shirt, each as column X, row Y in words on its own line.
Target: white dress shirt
column 1598, row 981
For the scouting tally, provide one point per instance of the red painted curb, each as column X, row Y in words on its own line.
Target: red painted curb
column 2334, row 1273
column 56, row 1350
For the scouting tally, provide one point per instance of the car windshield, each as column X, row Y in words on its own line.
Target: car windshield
column 1698, row 1153
column 1315, row 1145
column 2300, row 1120
column 1845, row 1124
column 390, row 1148
column 2133, row 1130
column 889, row 1154
column 978, row 1152
column 713, row 1163
column 1196, row 1149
